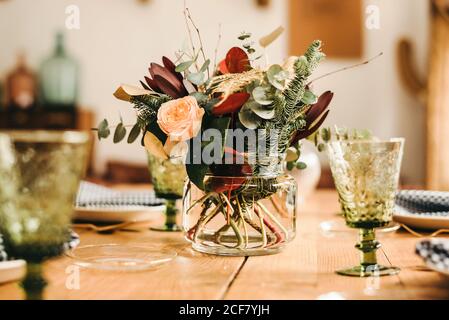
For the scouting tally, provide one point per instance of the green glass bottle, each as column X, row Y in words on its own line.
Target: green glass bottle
column 59, row 78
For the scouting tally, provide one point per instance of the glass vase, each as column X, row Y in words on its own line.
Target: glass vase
column 243, row 215
column 168, row 180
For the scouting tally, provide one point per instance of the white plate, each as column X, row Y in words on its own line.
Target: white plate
column 12, row 270
column 118, row 213
column 422, row 221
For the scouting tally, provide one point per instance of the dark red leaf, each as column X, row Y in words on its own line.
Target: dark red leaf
column 299, row 135
column 152, row 84
column 144, row 85
column 159, row 70
column 237, row 60
column 229, row 177
column 167, row 88
column 318, row 108
column 171, row 67
column 233, row 103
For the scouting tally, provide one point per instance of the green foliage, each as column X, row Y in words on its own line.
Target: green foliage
column 103, row 130
column 321, row 137
column 147, row 107
column 195, row 169
column 183, row 66
column 120, row 133
column 134, row 133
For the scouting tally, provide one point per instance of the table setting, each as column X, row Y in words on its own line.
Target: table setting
column 222, row 217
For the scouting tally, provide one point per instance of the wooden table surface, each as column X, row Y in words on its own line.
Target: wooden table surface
column 304, row 270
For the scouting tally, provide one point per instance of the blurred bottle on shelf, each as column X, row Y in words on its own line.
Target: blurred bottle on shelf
column 59, row 78
column 21, row 87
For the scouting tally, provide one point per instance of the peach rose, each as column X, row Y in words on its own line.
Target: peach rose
column 180, row 119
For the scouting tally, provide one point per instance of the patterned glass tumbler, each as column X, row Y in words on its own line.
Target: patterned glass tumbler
column 366, row 175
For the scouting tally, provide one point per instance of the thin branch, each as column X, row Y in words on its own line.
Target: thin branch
column 345, row 68
column 199, row 38
column 186, row 14
column 216, row 48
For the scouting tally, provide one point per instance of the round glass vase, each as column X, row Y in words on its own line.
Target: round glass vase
column 245, row 215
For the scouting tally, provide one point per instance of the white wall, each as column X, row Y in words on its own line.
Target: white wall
column 119, row 38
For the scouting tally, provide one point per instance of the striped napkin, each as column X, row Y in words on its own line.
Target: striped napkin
column 423, row 202
column 93, row 195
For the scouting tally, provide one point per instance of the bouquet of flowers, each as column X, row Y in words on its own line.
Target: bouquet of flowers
column 235, row 118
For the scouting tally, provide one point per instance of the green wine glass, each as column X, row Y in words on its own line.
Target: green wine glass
column 168, row 179
column 366, row 175
column 39, row 176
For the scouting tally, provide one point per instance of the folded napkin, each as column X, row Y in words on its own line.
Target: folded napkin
column 93, row 195
column 422, row 201
column 435, row 251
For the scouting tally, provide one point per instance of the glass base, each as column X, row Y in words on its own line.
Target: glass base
column 167, row 228
column 370, row 271
column 235, row 252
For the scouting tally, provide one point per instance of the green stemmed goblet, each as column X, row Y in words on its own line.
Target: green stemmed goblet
column 39, row 176
column 168, row 179
column 366, row 175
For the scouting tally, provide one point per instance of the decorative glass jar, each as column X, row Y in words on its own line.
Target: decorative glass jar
column 240, row 215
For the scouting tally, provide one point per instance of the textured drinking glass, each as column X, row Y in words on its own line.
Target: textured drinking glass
column 168, row 181
column 366, row 175
column 39, row 177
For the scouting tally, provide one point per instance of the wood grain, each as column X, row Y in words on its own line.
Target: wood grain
column 437, row 176
column 304, row 270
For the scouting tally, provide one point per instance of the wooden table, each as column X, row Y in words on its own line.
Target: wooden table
column 304, row 270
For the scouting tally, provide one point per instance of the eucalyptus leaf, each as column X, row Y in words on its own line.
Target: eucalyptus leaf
column 260, row 95
column 309, row 98
column 120, row 133
column 265, row 112
column 273, row 78
column 183, row 66
column 201, row 98
column 244, row 36
column 103, row 130
column 301, row 165
column 196, row 78
column 248, row 118
column 205, row 65
column 134, row 133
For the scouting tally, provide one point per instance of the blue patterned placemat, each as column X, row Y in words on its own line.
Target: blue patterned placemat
column 436, row 252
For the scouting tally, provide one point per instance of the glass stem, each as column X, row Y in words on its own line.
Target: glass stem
column 34, row 283
column 170, row 213
column 368, row 246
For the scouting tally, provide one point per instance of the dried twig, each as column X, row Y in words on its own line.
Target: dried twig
column 216, row 48
column 345, row 68
column 189, row 16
